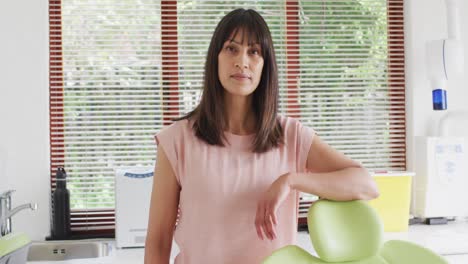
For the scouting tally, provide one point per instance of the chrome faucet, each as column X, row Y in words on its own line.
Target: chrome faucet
column 6, row 212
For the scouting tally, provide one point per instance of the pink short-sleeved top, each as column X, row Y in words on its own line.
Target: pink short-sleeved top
column 220, row 189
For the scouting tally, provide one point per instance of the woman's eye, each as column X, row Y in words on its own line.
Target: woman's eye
column 255, row 52
column 230, row 49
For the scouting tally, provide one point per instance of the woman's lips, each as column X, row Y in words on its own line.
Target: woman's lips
column 241, row 76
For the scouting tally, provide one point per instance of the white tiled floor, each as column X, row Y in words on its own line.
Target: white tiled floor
column 449, row 240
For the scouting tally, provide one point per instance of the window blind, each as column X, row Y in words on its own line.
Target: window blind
column 120, row 71
column 106, row 99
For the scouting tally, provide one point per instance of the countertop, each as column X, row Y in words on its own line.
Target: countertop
column 117, row 256
column 450, row 240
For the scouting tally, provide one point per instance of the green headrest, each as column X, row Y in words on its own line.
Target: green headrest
column 12, row 242
column 344, row 231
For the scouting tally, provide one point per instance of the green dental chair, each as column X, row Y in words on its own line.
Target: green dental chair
column 351, row 233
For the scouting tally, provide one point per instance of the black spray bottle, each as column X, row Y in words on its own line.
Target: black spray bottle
column 61, row 207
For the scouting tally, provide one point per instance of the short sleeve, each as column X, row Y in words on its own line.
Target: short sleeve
column 305, row 136
column 168, row 139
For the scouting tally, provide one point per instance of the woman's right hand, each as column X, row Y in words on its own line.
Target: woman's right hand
column 265, row 219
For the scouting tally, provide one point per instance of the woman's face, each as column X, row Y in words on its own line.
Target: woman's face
column 240, row 65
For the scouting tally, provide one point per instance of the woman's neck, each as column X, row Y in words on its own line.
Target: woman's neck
column 240, row 118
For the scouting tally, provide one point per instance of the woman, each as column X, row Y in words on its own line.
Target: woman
column 234, row 167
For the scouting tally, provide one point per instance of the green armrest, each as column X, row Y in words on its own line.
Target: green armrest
column 11, row 242
column 291, row 254
column 403, row 252
column 296, row 255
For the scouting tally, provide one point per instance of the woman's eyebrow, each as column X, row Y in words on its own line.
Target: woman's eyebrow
column 250, row 45
column 235, row 42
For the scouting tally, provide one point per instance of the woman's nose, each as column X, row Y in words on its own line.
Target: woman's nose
column 242, row 62
column 241, row 66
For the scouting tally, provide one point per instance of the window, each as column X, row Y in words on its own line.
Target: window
column 120, row 71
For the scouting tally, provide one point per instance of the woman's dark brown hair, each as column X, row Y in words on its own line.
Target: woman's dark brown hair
column 209, row 116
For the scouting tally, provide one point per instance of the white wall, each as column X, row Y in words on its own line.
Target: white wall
column 426, row 20
column 24, row 96
column 24, row 134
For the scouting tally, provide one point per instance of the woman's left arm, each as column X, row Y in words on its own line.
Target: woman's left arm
column 332, row 175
